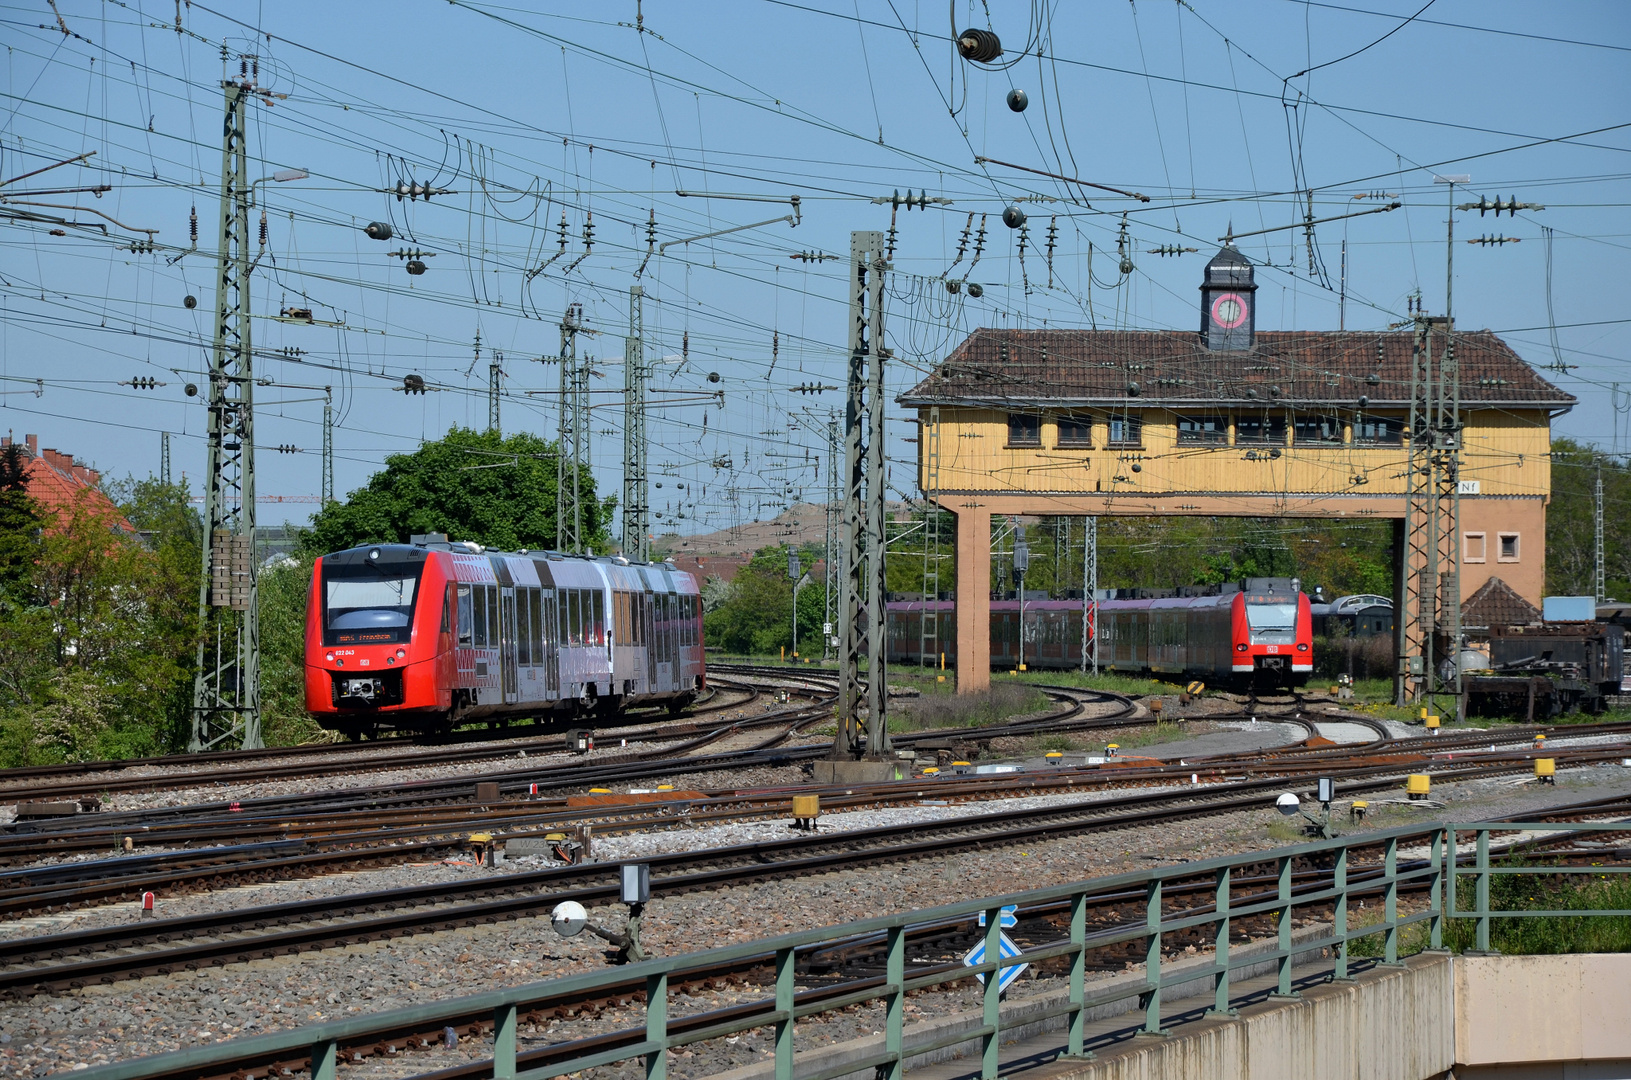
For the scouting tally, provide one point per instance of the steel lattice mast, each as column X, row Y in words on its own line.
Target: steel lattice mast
column 636, row 493
column 226, row 690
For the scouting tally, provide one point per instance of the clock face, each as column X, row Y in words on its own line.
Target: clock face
column 1229, row 310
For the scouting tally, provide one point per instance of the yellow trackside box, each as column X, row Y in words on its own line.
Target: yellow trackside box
column 1417, row 785
column 1431, row 722
column 806, row 806
column 1545, row 766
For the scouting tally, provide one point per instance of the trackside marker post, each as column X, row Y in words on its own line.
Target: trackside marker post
column 147, row 905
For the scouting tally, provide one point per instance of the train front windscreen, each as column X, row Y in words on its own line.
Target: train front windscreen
column 369, row 601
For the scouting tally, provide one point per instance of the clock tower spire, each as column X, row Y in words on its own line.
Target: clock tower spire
column 1228, row 302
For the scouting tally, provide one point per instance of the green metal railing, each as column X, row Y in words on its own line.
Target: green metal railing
column 1182, row 899
column 1483, row 871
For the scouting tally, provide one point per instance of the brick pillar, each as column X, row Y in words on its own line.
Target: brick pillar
column 973, row 599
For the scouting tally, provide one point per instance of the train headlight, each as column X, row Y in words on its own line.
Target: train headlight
column 401, row 654
column 390, row 659
column 329, row 657
column 340, row 662
column 1241, row 647
column 1302, row 646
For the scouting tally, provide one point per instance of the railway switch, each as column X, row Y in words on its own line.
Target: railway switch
column 1546, row 770
column 806, row 808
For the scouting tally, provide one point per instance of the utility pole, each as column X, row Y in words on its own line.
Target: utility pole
column 861, row 609
column 164, row 457
column 929, row 622
column 495, row 376
column 226, row 690
column 567, row 516
column 835, row 570
column 636, row 490
column 328, row 445
column 1090, row 595
column 1599, row 581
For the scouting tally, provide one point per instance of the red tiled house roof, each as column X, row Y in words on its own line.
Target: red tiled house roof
column 60, row 484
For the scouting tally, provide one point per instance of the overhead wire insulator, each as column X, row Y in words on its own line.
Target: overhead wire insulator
column 192, row 226
column 1495, row 241
column 263, row 228
column 1169, row 249
column 413, row 384
column 979, row 46
column 288, row 448
column 1053, row 237
column 812, row 256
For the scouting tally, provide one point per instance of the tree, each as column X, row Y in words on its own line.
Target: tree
column 756, row 613
column 19, row 518
column 1570, row 532
column 470, row 485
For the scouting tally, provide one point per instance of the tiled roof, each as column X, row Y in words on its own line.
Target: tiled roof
column 1004, row 368
column 1495, row 604
column 59, row 483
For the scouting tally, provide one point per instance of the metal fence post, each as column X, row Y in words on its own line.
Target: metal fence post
column 1284, row 896
column 1390, row 874
column 784, row 1005
column 1339, row 919
column 895, row 1005
column 1435, row 939
column 1152, row 959
column 992, row 998
column 324, row 1057
column 1482, row 895
column 1078, row 977
column 504, row 1042
column 1220, row 950
column 1450, row 867
column 657, row 1026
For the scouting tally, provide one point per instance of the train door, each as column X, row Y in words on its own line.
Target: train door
column 506, row 642
column 648, row 626
column 552, row 645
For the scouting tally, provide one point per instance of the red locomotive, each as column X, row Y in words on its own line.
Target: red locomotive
column 423, row 636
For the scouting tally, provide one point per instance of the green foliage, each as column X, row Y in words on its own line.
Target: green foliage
column 471, row 485
column 1570, row 536
column 283, row 592
column 753, row 615
column 99, row 631
column 999, row 702
column 19, row 518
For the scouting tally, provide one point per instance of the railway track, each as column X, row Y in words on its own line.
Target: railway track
column 69, row 781
column 240, row 936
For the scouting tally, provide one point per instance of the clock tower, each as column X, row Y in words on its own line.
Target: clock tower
column 1228, row 302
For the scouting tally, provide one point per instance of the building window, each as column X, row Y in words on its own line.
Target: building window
column 1024, row 429
column 1126, row 432
column 1075, row 432
column 1317, row 431
column 1472, row 547
column 1261, row 430
column 1509, row 547
column 1379, row 431
column 1203, row 429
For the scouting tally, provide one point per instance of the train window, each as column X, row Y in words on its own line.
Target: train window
column 465, row 621
column 493, row 637
column 523, row 627
column 478, row 616
column 535, row 623
column 573, row 619
column 599, row 597
column 1024, row 429
column 1126, row 432
column 449, row 605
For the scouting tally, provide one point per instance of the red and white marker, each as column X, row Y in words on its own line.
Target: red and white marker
column 147, row 905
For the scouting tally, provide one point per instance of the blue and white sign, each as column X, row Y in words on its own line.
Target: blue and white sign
column 1008, row 919
column 1008, row 950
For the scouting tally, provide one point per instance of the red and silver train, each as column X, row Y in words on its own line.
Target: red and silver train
column 426, row 635
column 1260, row 631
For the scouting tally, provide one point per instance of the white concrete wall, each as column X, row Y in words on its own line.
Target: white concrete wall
column 1543, row 1016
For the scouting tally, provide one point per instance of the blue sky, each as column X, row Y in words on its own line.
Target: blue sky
column 531, row 111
